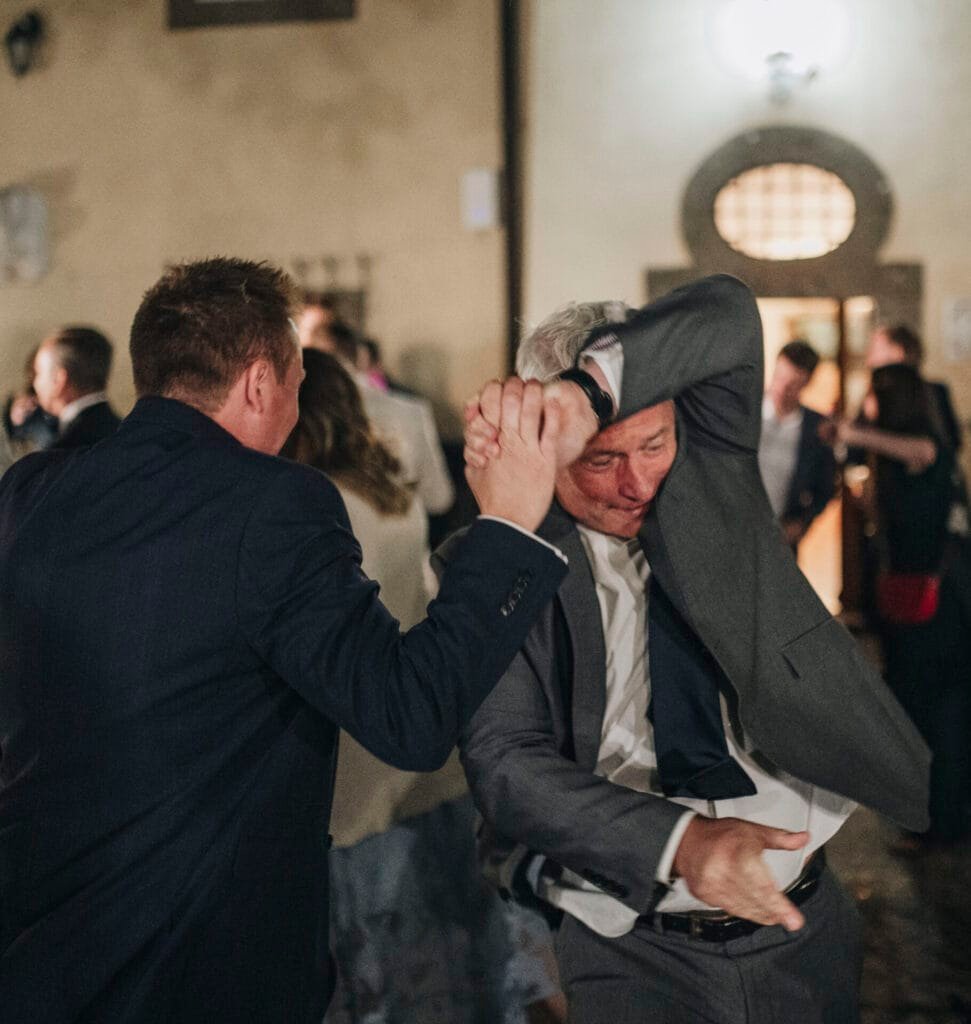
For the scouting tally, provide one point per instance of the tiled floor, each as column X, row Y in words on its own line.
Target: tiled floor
column 917, row 921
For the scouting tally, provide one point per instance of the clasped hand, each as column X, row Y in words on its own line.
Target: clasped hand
column 512, row 476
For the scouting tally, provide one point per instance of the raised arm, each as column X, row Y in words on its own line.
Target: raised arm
column 702, row 346
column 917, row 453
column 311, row 614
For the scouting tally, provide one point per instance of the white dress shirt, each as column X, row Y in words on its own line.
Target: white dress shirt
column 627, row 757
column 778, row 452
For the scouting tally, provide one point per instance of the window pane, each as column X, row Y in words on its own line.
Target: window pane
column 785, row 212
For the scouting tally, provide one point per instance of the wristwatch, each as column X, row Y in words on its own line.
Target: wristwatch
column 601, row 403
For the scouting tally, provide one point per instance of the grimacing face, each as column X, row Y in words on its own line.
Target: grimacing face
column 611, row 487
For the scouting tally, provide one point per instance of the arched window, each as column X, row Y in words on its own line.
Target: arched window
column 785, row 211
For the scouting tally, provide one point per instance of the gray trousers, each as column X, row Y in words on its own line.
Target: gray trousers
column 771, row 977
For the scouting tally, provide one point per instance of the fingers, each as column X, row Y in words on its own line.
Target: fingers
column 552, row 422
column 490, row 402
column 780, row 839
column 481, row 439
column 511, row 405
column 759, row 900
column 532, row 410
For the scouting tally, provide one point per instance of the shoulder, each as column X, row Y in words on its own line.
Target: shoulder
column 285, row 484
column 29, row 478
column 723, row 292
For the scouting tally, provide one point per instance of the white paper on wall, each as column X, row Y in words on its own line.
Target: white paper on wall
column 956, row 324
column 24, row 248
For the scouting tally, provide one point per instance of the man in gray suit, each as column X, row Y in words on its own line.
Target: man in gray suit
column 686, row 724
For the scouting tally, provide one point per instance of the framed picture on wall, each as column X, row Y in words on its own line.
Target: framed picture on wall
column 201, row 13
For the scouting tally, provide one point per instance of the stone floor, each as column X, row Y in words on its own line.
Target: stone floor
column 917, row 924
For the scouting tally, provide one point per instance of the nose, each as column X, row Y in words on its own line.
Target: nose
column 639, row 481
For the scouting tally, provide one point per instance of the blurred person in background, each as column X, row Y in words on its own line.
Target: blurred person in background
column 798, row 468
column 316, row 314
column 70, row 377
column 923, row 583
column 405, row 422
column 897, row 343
column 417, row 934
column 27, row 425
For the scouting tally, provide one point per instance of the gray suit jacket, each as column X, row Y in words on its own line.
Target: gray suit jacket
column 803, row 692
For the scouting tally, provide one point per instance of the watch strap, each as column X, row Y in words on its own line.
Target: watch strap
column 601, row 403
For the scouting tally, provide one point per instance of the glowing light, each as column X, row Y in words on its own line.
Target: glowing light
column 785, row 41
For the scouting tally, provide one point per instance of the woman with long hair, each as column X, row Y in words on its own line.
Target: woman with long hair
column 416, row 932
column 922, row 587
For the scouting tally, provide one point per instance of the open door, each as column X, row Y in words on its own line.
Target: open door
column 820, row 322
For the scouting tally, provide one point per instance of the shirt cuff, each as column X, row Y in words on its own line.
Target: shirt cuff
column 666, row 863
column 533, row 871
column 515, row 526
column 611, row 361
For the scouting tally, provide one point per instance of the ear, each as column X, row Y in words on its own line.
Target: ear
column 59, row 377
column 255, row 385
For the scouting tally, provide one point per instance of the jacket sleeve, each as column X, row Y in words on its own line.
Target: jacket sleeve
column 702, row 346
column 823, row 483
column 532, row 792
column 309, row 612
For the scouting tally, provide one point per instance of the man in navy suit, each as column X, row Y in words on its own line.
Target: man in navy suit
column 184, row 627
column 70, row 377
column 798, row 468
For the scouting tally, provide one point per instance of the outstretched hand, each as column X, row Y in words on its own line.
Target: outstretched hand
column 515, row 480
column 721, row 861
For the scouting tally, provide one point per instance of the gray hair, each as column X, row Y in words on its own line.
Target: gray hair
column 555, row 344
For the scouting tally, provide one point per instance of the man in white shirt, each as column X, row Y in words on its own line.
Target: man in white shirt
column 797, row 467
column 674, row 743
column 70, row 377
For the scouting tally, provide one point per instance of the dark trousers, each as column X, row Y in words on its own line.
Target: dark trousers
column 808, row 977
column 927, row 668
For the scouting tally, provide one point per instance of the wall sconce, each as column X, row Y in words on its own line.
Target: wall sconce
column 22, row 40
column 786, row 43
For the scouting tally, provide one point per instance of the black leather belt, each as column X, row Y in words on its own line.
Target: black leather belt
column 710, row 926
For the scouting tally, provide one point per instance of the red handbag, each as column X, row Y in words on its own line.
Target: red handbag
column 908, row 598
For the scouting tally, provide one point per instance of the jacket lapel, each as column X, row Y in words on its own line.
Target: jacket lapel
column 581, row 610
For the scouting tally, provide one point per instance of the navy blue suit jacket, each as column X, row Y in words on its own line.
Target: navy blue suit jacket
column 90, row 426
column 814, row 477
column 184, row 625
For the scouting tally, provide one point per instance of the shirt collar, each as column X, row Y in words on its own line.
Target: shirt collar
column 72, row 410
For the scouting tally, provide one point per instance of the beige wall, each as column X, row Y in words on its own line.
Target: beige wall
column 626, row 100
column 265, row 142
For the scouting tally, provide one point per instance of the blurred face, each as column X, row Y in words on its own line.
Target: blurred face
column 786, row 385
column 50, row 380
column 612, row 485
column 882, row 351
column 312, row 324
